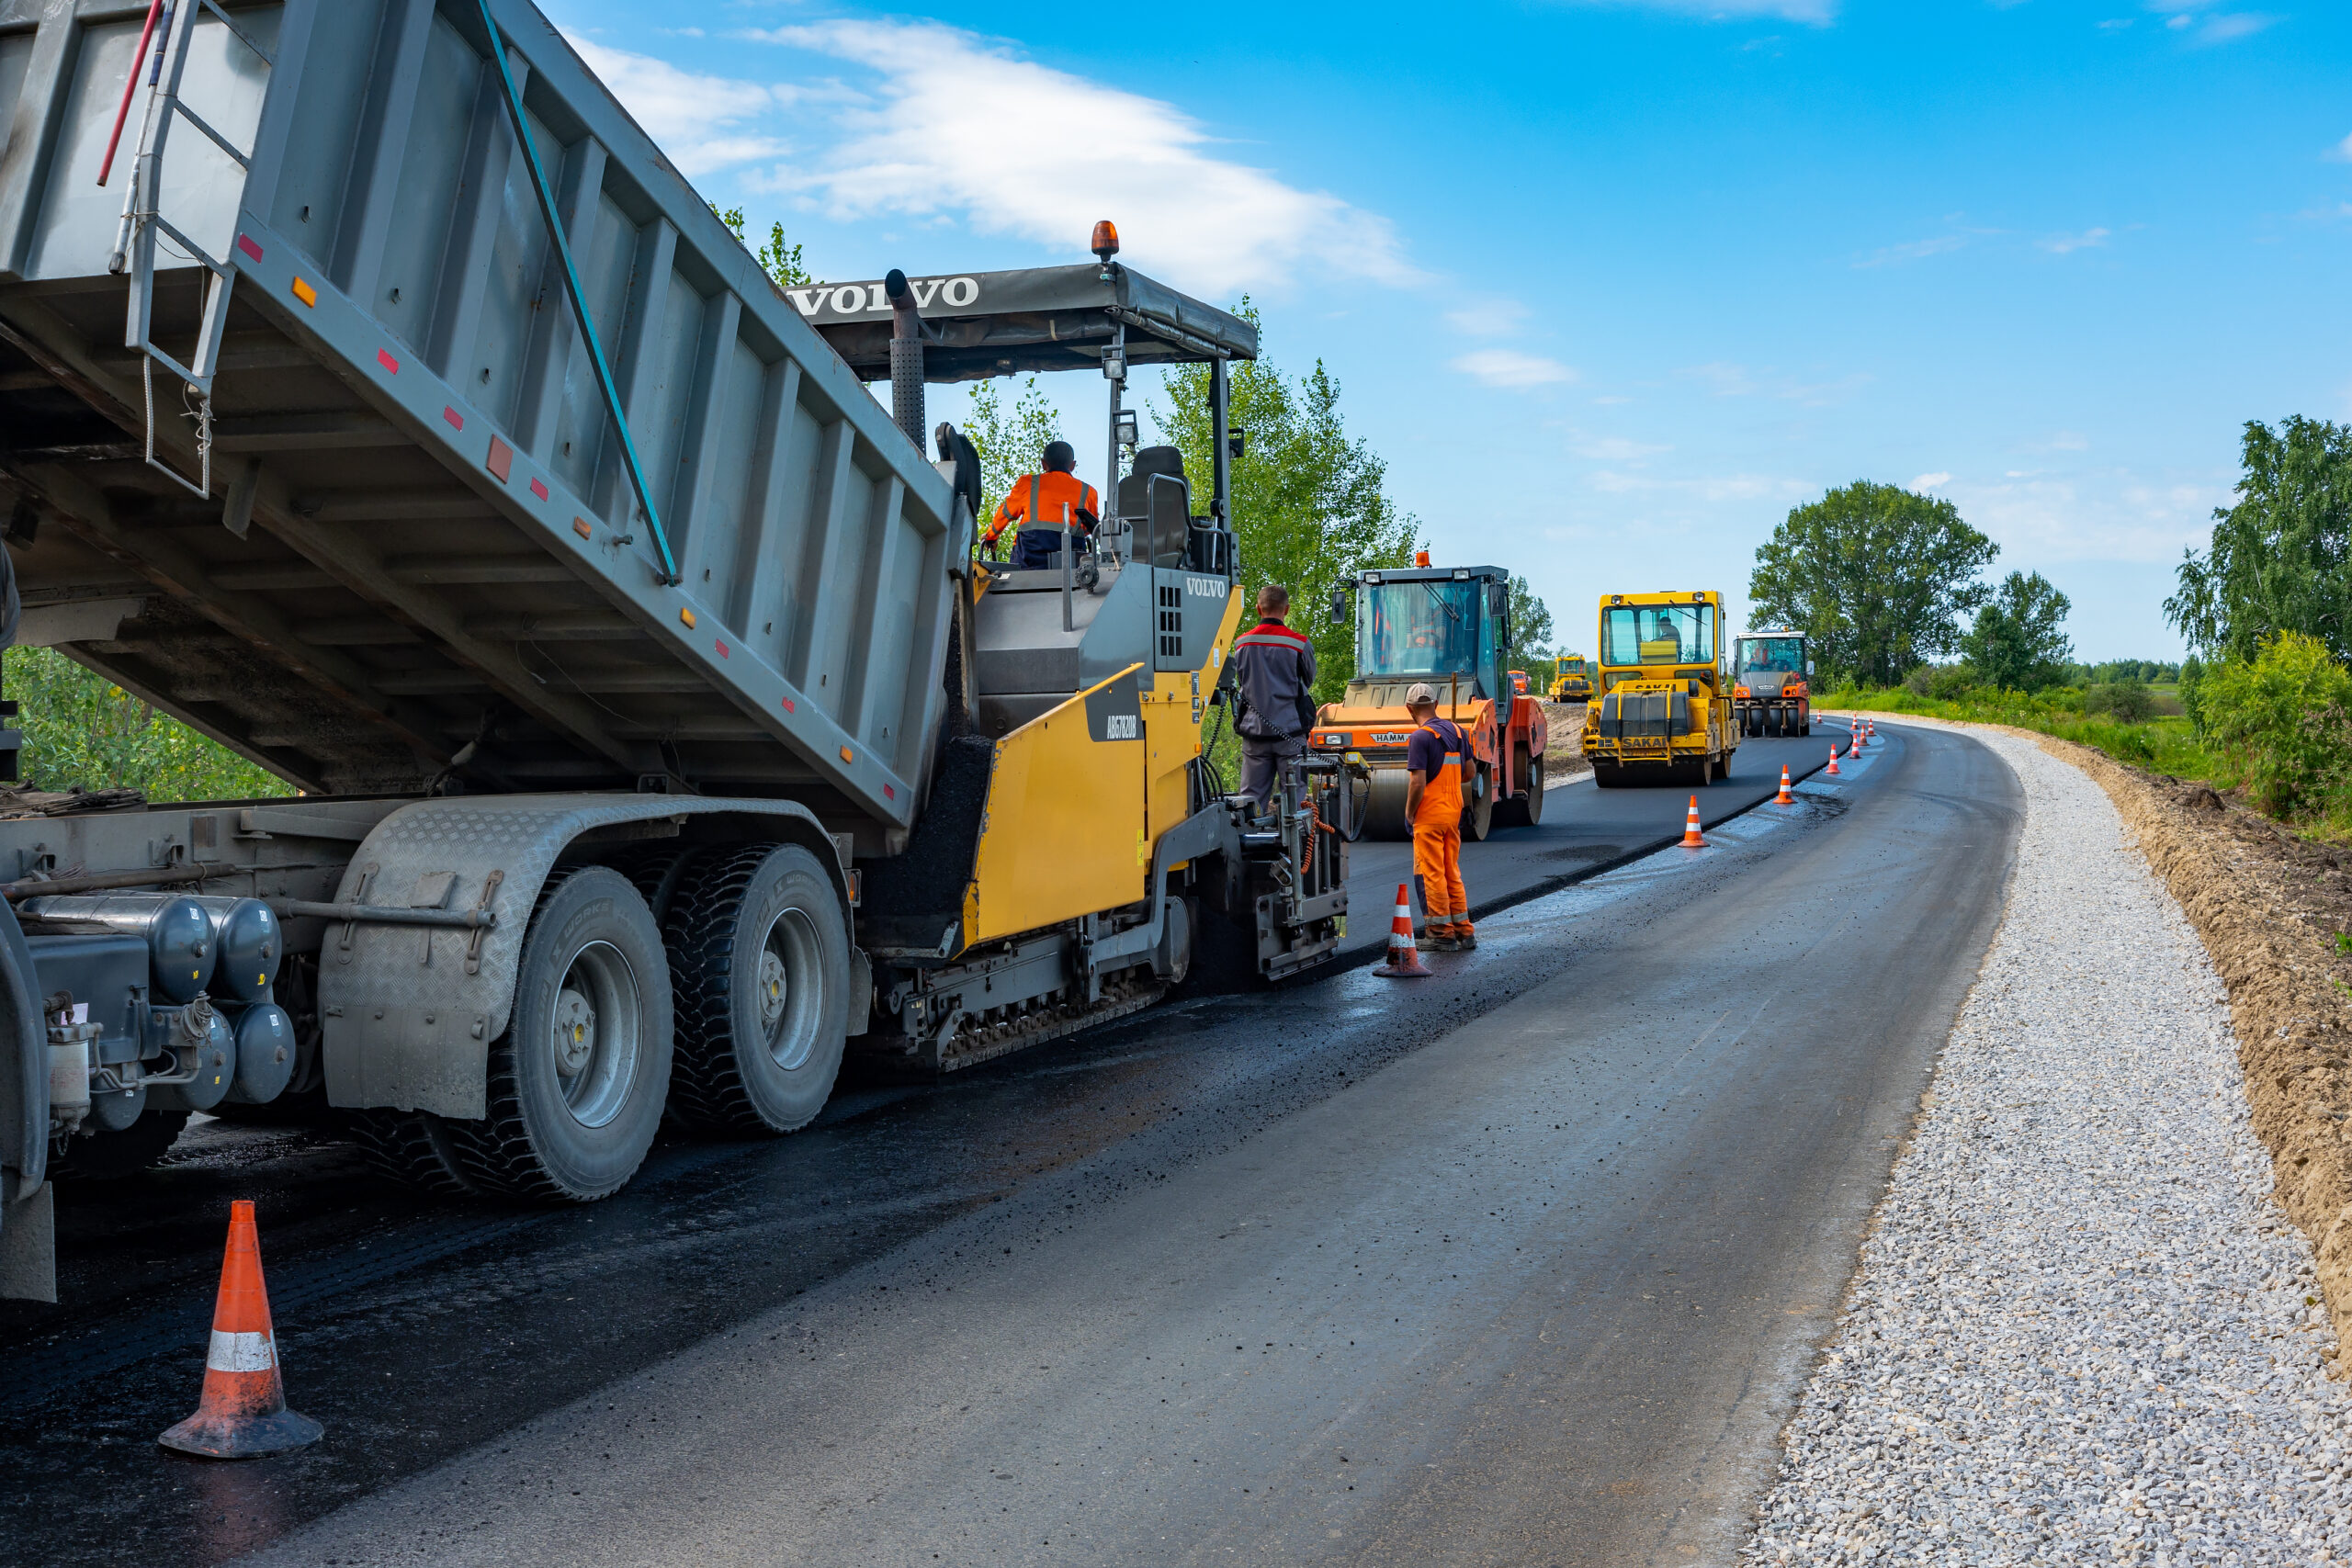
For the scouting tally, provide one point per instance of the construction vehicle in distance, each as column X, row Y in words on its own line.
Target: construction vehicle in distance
column 1771, row 675
column 1570, row 681
column 658, row 736
column 1664, row 713
column 1450, row 628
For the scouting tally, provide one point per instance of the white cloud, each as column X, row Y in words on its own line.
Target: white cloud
column 1612, row 448
column 2212, row 25
column 1931, row 482
column 2066, row 244
column 2243, row 24
column 1916, row 250
column 961, row 126
column 2342, row 152
column 1725, row 380
column 1820, row 13
column 2111, row 515
column 696, row 119
column 1509, row 368
column 1488, row 318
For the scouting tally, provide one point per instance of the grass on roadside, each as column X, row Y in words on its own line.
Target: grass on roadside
column 2166, row 744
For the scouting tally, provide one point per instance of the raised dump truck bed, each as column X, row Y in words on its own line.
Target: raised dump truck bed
column 423, row 557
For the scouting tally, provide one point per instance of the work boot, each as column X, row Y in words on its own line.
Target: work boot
column 1440, row 938
column 1466, row 937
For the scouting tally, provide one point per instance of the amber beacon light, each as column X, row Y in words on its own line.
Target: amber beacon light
column 1105, row 243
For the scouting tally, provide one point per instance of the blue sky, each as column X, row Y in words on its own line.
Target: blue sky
column 1611, row 284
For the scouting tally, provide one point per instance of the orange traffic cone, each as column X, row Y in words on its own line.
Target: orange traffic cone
column 1692, row 838
column 243, row 1413
column 1404, row 957
column 1832, row 769
column 1785, row 797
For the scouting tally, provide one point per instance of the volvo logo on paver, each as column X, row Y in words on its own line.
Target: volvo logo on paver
column 1207, row 587
column 834, row 301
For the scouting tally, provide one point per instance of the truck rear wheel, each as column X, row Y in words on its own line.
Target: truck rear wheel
column 578, row 1081
column 759, row 953
column 414, row 1149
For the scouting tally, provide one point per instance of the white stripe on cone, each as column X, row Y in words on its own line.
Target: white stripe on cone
column 241, row 1353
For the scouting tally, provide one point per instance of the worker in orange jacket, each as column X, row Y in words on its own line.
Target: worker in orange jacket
column 1046, row 505
column 1435, row 758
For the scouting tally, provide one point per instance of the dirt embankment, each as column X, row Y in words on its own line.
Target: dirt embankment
column 2269, row 906
column 1563, row 740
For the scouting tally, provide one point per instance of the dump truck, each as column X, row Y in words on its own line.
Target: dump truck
column 1570, row 681
column 397, row 416
column 1771, row 675
column 1664, row 713
column 1448, row 627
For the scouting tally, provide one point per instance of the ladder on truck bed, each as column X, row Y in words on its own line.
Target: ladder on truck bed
column 145, row 227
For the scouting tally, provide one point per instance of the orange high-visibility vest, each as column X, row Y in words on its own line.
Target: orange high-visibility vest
column 1441, row 792
column 1047, row 498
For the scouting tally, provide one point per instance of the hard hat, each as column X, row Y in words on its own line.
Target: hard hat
column 1421, row 693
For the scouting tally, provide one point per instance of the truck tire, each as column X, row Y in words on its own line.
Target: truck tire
column 760, row 960
column 414, row 1149
column 106, row 1156
column 577, row 1083
column 656, row 870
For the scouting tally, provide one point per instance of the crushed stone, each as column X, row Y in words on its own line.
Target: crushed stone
column 2081, row 1330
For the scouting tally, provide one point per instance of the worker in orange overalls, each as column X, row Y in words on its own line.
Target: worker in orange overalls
column 1435, row 758
column 1044, row 504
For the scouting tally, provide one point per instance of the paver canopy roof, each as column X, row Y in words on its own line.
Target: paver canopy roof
column 1041, row 318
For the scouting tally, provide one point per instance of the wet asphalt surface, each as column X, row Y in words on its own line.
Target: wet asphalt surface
column 1520, row 1264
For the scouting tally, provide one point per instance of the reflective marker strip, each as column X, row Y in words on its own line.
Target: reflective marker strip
column 305, row 293
column 241, row 1353
column 539, row 488
column 384, row 357
column 245, row 244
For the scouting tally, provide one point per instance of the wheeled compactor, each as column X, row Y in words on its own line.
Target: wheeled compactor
column 397, row 416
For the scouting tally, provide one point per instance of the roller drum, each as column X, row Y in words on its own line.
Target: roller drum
column 265, row 1053
column 181, row 948
column 1385, row 814
column 249, row 944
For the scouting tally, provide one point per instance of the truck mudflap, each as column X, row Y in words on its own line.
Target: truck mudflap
column 416, row 973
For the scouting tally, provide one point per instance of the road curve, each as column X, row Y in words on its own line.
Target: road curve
column 1528, row 1275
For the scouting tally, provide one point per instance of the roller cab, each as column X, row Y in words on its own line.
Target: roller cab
column 1663, row 714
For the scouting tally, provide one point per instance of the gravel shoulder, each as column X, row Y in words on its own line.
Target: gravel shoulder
column 2082, row 1329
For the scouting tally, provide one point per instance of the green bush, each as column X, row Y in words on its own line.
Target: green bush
column 2126, row 700
column 2286, row 720
column 81, row 729
column 1944, row 683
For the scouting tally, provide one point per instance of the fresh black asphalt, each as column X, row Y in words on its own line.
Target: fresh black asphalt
column 1520, row 1264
